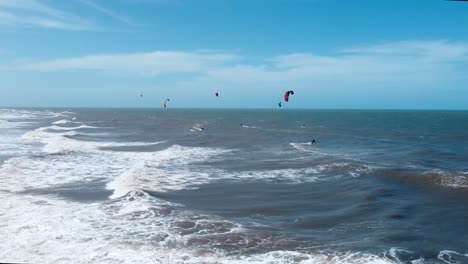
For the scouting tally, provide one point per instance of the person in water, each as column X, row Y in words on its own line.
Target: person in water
column 313, row 141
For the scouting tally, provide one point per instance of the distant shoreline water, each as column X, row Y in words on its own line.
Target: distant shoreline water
column 233, row 108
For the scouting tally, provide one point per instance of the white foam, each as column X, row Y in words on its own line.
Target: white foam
column 12, row 118
column 6, row 124
column 455, row 181
column 62, row 122
column 394, row 255
column 89, row 164
column 24, row 173
column 18, row 119
column 288, row 175
column 54, row 127
column 11, row 144
column 12, row 124
column 137, row 228
column 164, row 170
column 452, row 257
column 56, row 143
column 452, row 179
column 300, row 175
column 19, row 114
column 292, row 257
column 306, row 147
column 125, row 171
column 175, row 168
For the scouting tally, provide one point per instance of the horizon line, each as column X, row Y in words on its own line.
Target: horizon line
column 230, row 108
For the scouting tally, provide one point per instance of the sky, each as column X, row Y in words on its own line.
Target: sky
column 335, row 54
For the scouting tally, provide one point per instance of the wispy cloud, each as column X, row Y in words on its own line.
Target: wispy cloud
column 149, row 64
column 438, row 50
column 408, row 61
column 37, row 14
column 412, row 61
column 49, row 14
column 107, row 11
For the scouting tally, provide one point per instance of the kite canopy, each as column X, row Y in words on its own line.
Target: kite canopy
column 217, row 94
column 286, row 95
column 165, row 102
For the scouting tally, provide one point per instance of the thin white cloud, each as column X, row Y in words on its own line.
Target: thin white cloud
column 37, row 14
column 48, row 14
column 438, row 50
column 107, row 11
column 388, row 62
column 410, row 61
column 150, row 63
column 31, row 6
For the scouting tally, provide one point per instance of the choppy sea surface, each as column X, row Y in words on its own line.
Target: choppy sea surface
column 194, row 186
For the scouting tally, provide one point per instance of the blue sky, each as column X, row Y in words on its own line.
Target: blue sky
column 399, row 54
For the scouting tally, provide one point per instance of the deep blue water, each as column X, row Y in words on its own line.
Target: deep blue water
column 196, row 186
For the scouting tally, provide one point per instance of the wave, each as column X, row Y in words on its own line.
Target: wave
column 177, row 168
column 56, row 143
column 54, row 127
column 437, row 177
column 27, row 114
column 245, row 126
column 311, row 148
column 306, row 146
column 18, row 118
column 62, row 122
column 164, row 170
column 15, row 124
column 139, row 228
column 452, row 257
column 174, row 168
column 44, row 171
column 13, row 146
column 291, row 257
column 449, row 179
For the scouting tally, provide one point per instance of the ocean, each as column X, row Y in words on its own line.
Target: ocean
column 233, row 186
